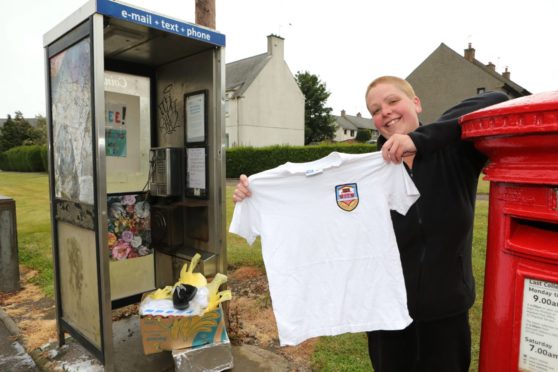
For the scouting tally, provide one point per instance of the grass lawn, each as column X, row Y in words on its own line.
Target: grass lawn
column 340, row 353
column 484, row 186
column 30, row 192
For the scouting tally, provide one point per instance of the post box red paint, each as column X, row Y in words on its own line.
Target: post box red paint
column 520, row 308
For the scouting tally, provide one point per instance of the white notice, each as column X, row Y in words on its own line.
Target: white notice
column 538, row 350
column 195, row 118
column 196, row 168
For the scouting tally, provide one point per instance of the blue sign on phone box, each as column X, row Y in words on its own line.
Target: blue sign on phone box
column 142, row 17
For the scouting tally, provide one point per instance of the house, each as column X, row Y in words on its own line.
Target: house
column 348, row 126
column 264, row 105
column 445, row 78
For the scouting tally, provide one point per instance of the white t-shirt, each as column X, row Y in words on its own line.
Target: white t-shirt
column 328, row 243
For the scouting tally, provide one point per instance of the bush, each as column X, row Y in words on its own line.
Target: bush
column 44, row 156
column 24, row 159
column 250, row 160
column 363, row 135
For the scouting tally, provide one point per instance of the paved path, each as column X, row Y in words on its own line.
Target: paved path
column 13, row 356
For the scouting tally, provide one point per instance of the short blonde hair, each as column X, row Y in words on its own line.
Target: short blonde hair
column 402, row 84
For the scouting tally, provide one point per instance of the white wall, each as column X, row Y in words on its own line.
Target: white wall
column 341, row 136
column 272, row 109
column 278, row 118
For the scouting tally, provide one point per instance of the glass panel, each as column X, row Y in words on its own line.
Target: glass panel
column 127, row 131
column 78, row 280
column 70, row 73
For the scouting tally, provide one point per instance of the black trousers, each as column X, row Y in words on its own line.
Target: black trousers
column 437, row 346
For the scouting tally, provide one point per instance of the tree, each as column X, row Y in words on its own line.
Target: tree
column 14, row 132
column 38, row 133
column 363, row 135
column 319, row 124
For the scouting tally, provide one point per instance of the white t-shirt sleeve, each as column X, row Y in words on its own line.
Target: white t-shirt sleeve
column 402, row 192
column 246, row 220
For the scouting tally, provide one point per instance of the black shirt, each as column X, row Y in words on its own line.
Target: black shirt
column 435, row 236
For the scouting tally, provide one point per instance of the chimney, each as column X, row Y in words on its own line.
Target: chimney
column 276, row 46
column 343, row 113
column 469, row 53
column 359, row 115
column 491, row 66
column 506, row 73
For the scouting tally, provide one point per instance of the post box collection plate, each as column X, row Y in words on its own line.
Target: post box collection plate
column 538, row 344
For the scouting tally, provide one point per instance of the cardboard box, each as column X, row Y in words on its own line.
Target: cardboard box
column 160, row 333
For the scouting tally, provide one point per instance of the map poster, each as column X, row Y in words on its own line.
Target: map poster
column 538, row 345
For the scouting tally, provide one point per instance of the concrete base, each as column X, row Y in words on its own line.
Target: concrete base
column 128, row 355
column 252, row 358
column 209, row 358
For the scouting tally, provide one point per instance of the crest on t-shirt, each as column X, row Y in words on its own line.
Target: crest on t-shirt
column 346, row 196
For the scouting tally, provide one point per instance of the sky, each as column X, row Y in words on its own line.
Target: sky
column 345, row 43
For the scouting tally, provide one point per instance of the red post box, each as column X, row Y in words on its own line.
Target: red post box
column 520, row 308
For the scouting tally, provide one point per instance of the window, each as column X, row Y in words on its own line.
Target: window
column 481, row 90
column 352, row 133
column 228, row 97
column 127, row 131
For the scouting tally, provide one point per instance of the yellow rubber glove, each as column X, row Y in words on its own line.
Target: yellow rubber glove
column 214, row 302
column 162, row 293
column 189, row 277
column 212, row 289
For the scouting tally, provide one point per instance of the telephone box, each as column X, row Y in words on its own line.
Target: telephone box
column 135, row 109
column 520, row 308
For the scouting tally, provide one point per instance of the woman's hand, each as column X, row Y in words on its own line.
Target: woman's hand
column 242, row 191
column 397, row 147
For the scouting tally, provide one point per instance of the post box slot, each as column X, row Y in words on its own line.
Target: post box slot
column 534, row 238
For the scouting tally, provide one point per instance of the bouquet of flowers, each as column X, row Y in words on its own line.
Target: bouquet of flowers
column 129, row 231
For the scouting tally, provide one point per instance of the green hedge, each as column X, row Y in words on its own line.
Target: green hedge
column 31, row 158
column 250, row 160
column 240, row 160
